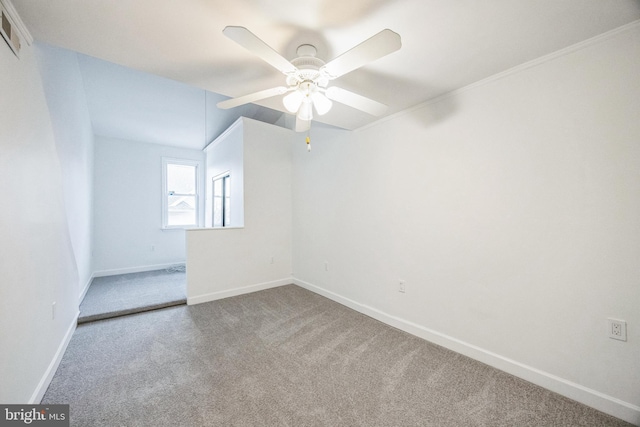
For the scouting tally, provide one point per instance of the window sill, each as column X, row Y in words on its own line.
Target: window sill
column 179, row 227
column 215, row 228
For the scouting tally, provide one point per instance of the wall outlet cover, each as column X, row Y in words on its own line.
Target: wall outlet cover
column 617, row 329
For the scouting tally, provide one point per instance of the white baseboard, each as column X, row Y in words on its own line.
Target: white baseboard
column 595, row 399
column 192, row 300
column 40, row 390
column 139, row 269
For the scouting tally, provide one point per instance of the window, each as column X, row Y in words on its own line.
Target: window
column 221, row 200
column 180, row 204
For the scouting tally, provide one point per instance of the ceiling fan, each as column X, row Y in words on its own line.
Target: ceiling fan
column 307, row 77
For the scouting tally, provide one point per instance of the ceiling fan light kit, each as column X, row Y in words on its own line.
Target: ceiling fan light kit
column 308, row 77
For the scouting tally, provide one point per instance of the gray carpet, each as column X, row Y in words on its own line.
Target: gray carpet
column 123, row 294
column 287, row 357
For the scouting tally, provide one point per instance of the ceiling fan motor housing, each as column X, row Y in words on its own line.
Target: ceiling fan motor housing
column 308, row 70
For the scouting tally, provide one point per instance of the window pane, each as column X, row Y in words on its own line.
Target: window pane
column 217, row 212
column 217, row 203
column 181, row 179
column 182, row 210
column 221, row 202
column 227, row 201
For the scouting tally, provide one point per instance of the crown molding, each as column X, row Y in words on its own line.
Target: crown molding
column 514, row 70
column 238, row 123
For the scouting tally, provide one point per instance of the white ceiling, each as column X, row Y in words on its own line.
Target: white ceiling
column 447, row 44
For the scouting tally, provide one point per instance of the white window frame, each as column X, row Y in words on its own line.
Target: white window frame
column 165, row 192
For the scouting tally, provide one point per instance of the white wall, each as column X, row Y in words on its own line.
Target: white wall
column 128, row 234
column 36, row 254
column 512, row 211
column 223, row 155
column 63, row 86
column 229, row 261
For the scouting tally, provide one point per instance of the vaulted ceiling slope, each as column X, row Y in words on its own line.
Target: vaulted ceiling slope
column 130, row 104
column 445, row 44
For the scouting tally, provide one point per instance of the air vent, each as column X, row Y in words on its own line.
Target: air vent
column 8, row 33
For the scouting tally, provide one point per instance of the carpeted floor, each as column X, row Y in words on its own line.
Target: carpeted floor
column 287, row 357
column 123, row 294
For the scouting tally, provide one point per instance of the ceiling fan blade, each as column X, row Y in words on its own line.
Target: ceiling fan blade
column 381, row 44
column 302, row 125
column 354, row 100
column 252, row 97
column 255, row 45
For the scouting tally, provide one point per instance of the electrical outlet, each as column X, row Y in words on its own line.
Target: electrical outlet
column 617, row 329
column 401, row 286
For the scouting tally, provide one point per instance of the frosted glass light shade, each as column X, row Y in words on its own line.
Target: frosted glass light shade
column 322, row 103
column 306, row 110
column 292, row 101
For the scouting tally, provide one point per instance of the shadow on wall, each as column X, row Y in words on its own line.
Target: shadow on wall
column 435, row 112
column 384, row 87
